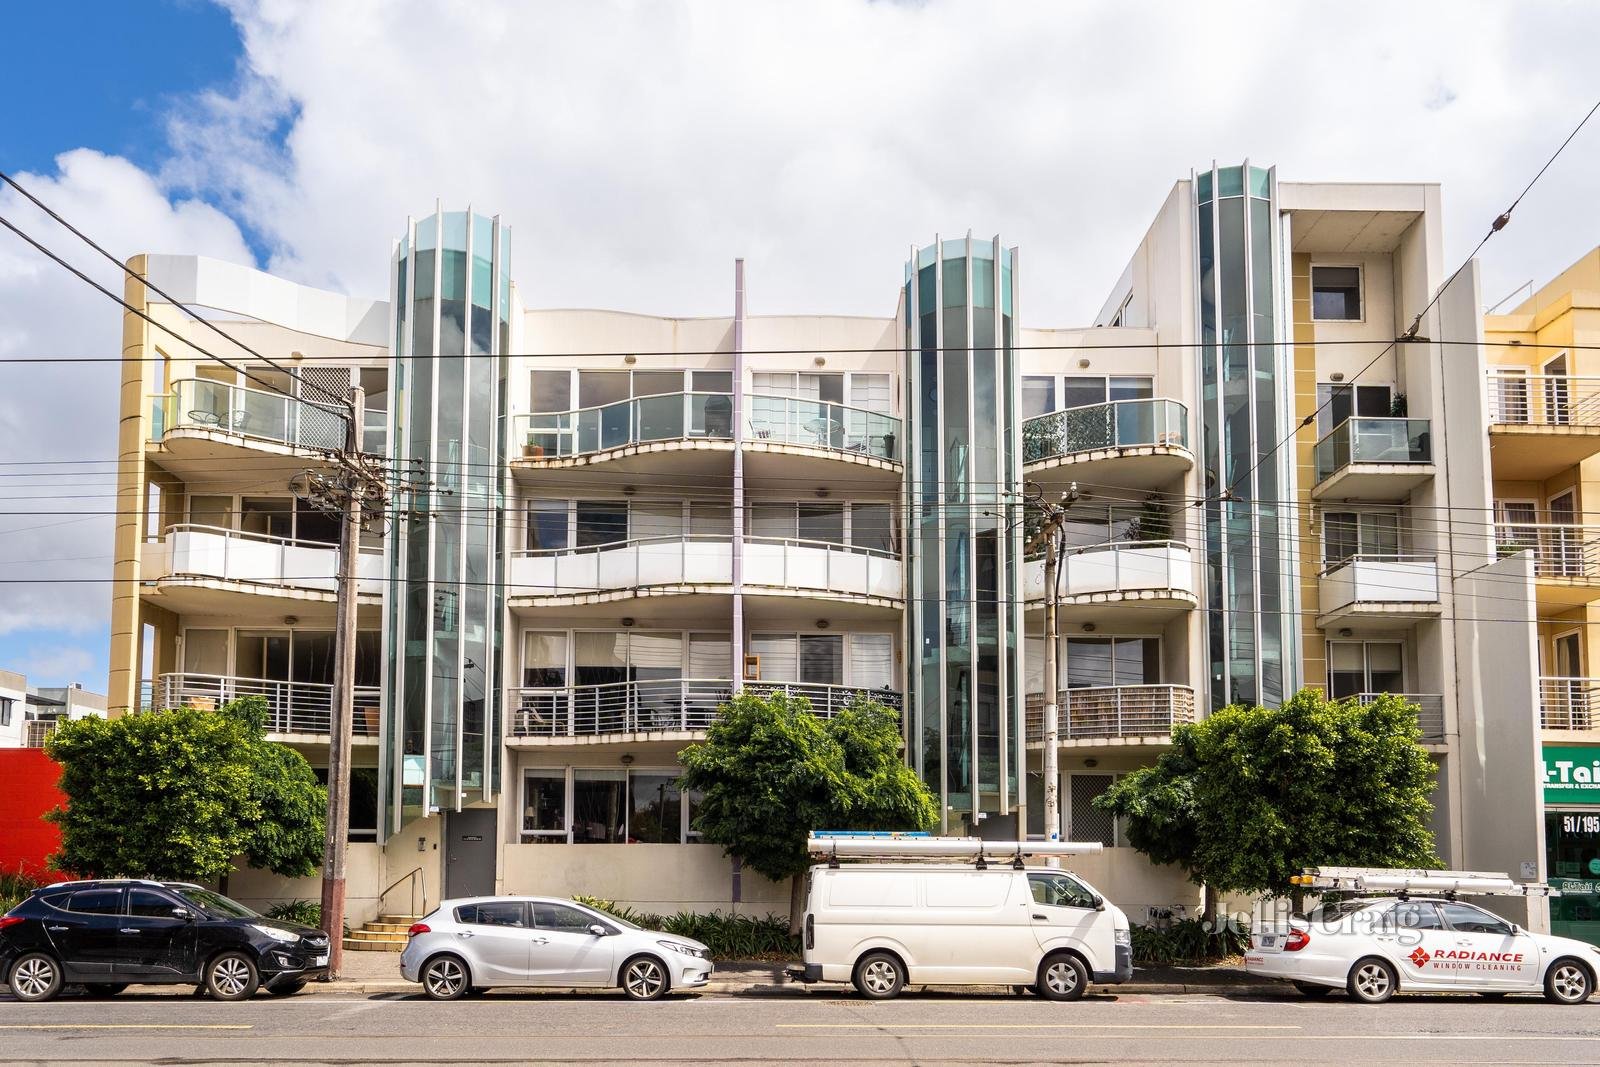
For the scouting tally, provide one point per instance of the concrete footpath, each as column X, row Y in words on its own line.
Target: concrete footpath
column 379, row 972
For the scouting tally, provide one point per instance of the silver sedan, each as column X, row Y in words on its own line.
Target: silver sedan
column 468, row 945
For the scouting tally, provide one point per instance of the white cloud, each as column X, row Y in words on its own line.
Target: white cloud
column 59, row 665
column 66, row 411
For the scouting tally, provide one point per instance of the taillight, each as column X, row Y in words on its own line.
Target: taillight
column 811, row 931
column 10, row 920
column 1297, row 940
column 418, row 928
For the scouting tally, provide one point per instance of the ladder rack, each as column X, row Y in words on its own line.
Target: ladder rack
column 1404, row 881
column 834, row 846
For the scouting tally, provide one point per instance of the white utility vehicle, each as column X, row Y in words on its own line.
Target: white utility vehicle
column 887, row 911
column 1407, row 931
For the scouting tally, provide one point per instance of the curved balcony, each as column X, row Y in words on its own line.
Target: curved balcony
column 790, row 437
column 1136, row 444
column 300, row 711
column 1128, row 714
column 686, row 433
column 200, row 568
column 1150, row 577
column 1373, row 459
column 654, row 709
column 664, row 566
column 201, row 422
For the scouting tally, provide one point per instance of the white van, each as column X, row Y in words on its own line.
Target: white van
column 883, row 926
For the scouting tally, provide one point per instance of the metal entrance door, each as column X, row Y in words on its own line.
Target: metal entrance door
column 469, row 853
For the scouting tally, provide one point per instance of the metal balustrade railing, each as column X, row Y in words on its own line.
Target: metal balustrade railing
column 292, row 707
column 1113, row 711
column 1543, row 399
column 1364, row 440
column 35, row 732
column 664, row 704
column 821, row 424
column 1118, row 424
column 1430, row 712
column 1559, row 550
column 1569, row 703
column 260, row 413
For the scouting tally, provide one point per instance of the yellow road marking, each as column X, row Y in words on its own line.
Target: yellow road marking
column 127, row 1026
column 1031, row 1026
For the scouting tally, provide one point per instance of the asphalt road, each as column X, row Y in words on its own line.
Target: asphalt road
column 503, row 1027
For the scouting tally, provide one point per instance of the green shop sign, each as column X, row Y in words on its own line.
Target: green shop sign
column 1571, row 774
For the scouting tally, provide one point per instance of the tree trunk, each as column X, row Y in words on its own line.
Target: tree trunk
column 222, row 884
column 1208, row 907
column 797, row 902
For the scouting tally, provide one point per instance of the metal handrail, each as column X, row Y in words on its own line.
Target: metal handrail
column 413, row 875
column 293, row 707
column 689, row 538
column 1543, row 399
column 239, row 410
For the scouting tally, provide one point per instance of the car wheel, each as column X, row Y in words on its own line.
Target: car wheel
column 1311, row 989
column 288, row 989
column 35, row 977
column 644, row 978
column 1062, row 977
column 1372, row 981
column 445, row 978
column 232, row 976
column 1568, row 982
column 104, row 989
column 879, row 976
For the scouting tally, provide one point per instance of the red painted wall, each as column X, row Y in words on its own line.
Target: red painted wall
column 29, row 790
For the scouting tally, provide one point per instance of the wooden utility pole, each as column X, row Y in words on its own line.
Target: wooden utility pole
column 349, row 498
column 1050, row 533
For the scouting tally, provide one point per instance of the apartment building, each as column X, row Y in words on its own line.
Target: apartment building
column 1544, row 434
column 29, row 714
column 629, row 517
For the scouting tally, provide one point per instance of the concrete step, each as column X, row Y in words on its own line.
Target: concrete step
column 376, row 935
column 397, row 920
column 352, row 944
column 386, row 928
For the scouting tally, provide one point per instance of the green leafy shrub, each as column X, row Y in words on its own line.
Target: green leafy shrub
column 14, row 888
column 1186, row 941
column 304, row 912
column 728, row 936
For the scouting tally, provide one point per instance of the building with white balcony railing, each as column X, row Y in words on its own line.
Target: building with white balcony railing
column 628, row 519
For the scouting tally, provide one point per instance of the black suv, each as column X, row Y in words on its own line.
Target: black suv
column 106, row 935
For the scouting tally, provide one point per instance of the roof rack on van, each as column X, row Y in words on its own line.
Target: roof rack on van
column 1405, row 881
column 833, row 845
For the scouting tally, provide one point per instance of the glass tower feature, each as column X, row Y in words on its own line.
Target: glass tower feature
column 442, row 626
column 1244, row 414
column 964, row 543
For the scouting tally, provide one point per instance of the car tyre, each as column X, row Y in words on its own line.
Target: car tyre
column 879, row 976
column 104, row 989
column 1372, row 981
column 446, row 978
column 1062, row 977
column 288, row 989
column 1568, row 982
column 644, row 978
column 35, row 976
column 1311, row 989
column 232, row 976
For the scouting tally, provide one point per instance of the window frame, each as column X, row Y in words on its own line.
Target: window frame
column 1361, row 291
column 688, row 802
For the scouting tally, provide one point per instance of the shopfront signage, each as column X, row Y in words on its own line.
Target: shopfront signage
column 1571, row 774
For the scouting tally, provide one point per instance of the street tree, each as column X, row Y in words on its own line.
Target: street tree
column 1250, row 796
column 184, row 794
column 771, row 771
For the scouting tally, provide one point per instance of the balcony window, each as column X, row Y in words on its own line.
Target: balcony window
column 709, row 522
column 214, row 511
column 872, row 527
column 1038, row 396
column 550, row 391
column 599, row 814
column 1338, row 401
column 662, row 522
column 1364, row 667
column 544, row 806
column 711, row 381
column 821, row 522
column 544, row 659
column 1373, row 534
column 657, row 382
column 271, row 516
column 547, row 525
column 1336, row 294
column 822, row 659
column 601, row 522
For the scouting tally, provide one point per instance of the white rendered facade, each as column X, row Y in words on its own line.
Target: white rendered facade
column 674, row 508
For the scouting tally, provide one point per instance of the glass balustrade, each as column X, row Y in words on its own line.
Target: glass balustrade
column 1118, row 424
column 259, row 413
column 1363, row 440
column 820, row 424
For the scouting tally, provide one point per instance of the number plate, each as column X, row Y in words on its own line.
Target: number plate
column 1268, row 940
column 320, row 961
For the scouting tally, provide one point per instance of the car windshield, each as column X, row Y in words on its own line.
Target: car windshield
column 215, row 904
column 619, row 920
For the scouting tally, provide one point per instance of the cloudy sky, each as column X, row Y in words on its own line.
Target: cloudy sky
column 637, row 148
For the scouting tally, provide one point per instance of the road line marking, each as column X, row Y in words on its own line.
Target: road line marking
column 127, row 1026
column 1032, row 1026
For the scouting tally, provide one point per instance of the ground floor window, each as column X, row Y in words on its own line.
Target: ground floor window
column 1572, row 861
column 1080, row 819
column 585, row 806
column 363, row 821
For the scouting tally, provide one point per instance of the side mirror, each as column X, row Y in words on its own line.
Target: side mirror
column 183, row 913
column 597, row 930
column 1099, row 903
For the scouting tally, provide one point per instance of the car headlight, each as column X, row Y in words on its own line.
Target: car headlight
column 686, row 950
column 283, row 937
column 1122, row 937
